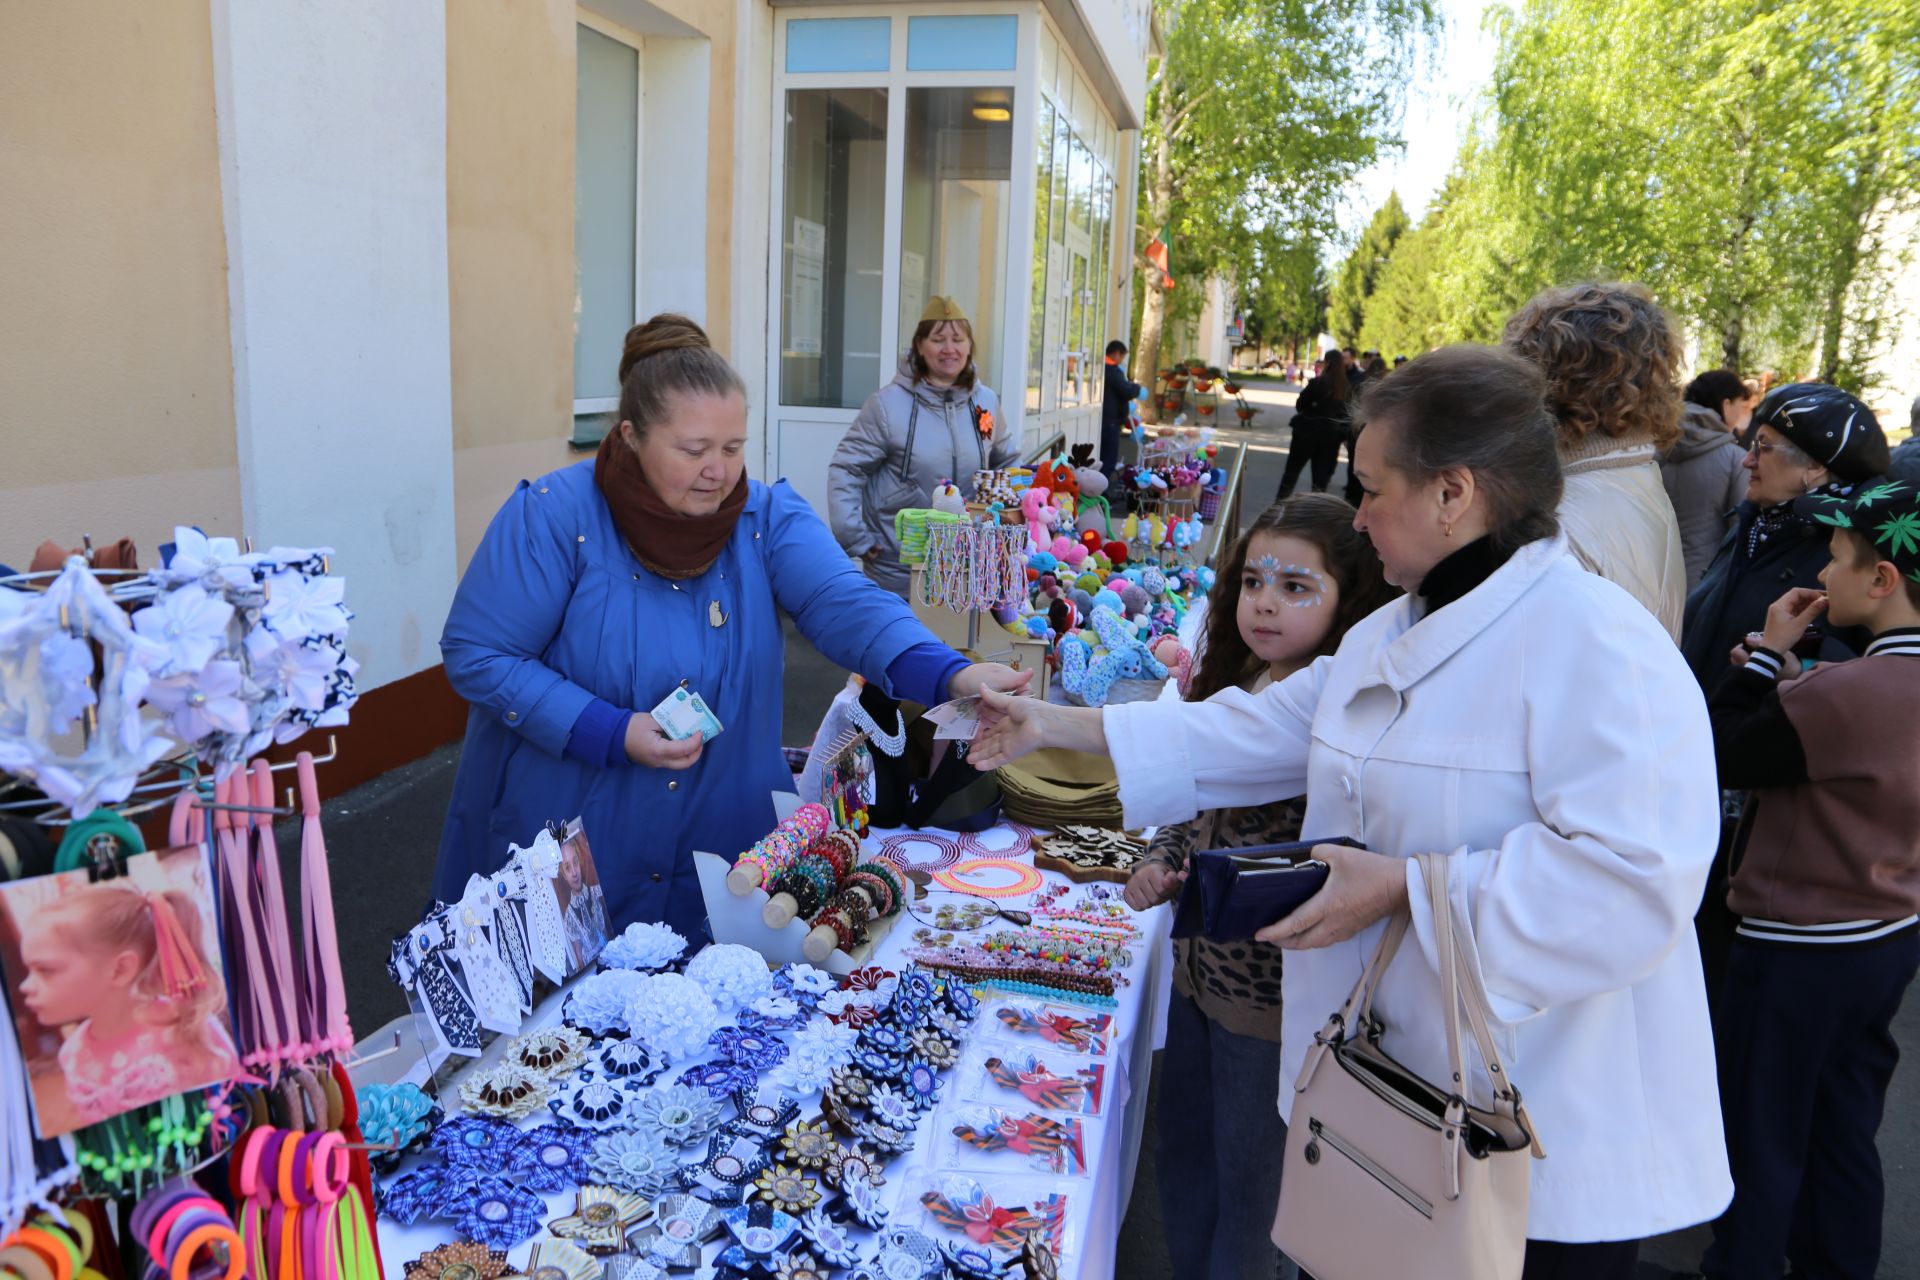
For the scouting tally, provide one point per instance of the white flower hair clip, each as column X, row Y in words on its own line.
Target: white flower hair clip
column 47, row 685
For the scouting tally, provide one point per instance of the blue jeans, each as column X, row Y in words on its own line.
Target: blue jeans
column 1221, row 1143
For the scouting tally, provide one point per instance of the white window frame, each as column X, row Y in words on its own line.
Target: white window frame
column 635, row 41
column 1024, row 82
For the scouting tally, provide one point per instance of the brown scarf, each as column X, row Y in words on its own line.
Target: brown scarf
column 662, row 540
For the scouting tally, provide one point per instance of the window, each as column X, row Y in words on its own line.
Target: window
column 831, row 237
column 1072, row 253
column 1042, row 205
column 605, row 210
column 954, row 209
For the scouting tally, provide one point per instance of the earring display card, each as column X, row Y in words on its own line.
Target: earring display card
column 1063, row 1027
column 991, row 1140
column 117, row 989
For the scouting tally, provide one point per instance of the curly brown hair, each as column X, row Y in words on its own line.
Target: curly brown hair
column 1611, row 357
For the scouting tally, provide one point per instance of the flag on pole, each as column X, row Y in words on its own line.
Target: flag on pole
column 1157, row 254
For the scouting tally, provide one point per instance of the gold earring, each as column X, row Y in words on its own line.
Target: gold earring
column 1449, row 529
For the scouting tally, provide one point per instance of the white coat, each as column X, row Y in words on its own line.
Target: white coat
column 1544, row 732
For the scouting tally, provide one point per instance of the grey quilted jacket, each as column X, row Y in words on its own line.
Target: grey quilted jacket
column 1704, row 478
column 908, row 438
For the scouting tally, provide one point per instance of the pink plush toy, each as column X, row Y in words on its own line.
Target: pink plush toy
column 1076, row 555
column 1037, row 509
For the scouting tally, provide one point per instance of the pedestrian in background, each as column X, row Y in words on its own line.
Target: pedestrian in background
column 1320, row 425
column 1702, row 469
column 1116, row 406
column 1610, row 355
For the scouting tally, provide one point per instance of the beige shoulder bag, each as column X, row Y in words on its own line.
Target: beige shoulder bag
column 1390, row 1175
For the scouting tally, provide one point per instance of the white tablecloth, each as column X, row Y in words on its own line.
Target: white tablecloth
column 1096, row 1204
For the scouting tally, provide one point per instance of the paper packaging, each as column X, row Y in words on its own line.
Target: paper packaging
column 682, row 714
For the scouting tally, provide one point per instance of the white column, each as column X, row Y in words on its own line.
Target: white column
column 333, row 127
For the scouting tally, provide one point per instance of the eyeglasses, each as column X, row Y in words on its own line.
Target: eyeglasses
column 1761, row 446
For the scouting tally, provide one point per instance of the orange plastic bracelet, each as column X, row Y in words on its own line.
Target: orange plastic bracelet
column 205, row 1237
column 57, row 1250
column 288, row 1150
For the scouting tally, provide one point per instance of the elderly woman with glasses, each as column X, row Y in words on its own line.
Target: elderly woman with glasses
column 1808, row 441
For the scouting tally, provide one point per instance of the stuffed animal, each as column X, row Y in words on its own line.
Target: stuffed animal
column 1060, row 478
column 1126, row 658
column 1039, row 513
column 947, row 497
column 1153, row 581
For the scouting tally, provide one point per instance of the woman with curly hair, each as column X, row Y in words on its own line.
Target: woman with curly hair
column 1610, row 355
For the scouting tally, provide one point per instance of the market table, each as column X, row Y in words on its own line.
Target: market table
column 1096, row 1203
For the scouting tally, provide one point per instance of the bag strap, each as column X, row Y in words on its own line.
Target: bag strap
column 1358, row 1009
column 913, row 427
column 1462, row 992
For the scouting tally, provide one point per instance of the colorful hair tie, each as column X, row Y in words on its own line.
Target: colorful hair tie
column 205, row 1237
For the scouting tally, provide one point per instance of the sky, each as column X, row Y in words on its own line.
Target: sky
column 1439, row 105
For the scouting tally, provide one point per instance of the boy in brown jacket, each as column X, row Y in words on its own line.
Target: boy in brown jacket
column 1826, row 887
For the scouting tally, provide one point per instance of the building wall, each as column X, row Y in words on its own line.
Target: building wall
column 509, row 248
column 510, row 209
column 117, row 413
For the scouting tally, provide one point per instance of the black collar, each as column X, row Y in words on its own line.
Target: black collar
column 1460, row 573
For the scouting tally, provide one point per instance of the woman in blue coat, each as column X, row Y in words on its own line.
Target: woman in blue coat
column 601, row 587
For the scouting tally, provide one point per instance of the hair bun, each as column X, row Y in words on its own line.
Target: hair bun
column 665, row 332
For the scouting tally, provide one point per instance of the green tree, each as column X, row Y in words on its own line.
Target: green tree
column 1750, row 174
column 1360, row 272
column 1285, row 298
column 1258, row 115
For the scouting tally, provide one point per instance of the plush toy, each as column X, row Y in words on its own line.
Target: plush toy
column 1039, row 513
column 1153, row 581
column 1047, row 585
column 1060, row 478
column 1133, row 598
column 1036, row 627
column 1105, row 599
column 1126, row 658
column 1043, row 562
column 1116, row 552
column 1091, row 539
column 1089, row 582
column 1187, row 532
column 1062, row 617
column 1076, row 555
column 1082, row 600
column 947, row 497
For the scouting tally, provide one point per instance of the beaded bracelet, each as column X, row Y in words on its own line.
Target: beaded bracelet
column 775, row 851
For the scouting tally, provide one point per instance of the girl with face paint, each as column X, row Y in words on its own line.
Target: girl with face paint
column 1293, row 585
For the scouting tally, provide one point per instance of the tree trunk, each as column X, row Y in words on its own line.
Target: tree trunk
column 1153, row 307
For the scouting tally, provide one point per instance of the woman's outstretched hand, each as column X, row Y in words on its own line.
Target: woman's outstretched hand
column 1361, row 887
column 1010, row 727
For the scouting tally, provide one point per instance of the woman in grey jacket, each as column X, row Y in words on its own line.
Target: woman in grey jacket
column 935, row 421
column 1702, row 470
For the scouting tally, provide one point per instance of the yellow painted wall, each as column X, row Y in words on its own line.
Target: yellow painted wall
column 510, row 105
column 510, row 191
column 116, row 379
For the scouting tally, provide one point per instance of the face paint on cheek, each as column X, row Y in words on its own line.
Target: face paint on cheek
column 1277, row 574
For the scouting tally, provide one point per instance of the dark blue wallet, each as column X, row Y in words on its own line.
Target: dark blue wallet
column 1232, row 894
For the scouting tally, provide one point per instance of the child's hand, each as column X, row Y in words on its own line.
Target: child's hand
column 1790, row 616
column 1152, row 884
column 1738, row 655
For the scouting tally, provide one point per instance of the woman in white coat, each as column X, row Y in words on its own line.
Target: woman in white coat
column 1534, row 723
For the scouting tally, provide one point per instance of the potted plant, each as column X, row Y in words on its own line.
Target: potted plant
column 1244, row 411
